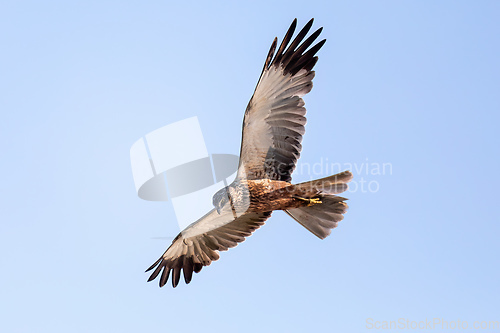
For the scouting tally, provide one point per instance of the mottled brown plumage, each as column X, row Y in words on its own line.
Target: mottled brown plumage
column 271, row 144
column 265, row 195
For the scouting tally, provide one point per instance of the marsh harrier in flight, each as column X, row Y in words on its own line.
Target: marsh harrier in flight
column 273, row 127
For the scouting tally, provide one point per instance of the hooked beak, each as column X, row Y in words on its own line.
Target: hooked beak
column 218, row 209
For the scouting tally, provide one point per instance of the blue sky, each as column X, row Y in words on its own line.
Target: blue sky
column 410, row 83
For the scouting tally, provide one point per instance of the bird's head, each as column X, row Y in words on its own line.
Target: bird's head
column 220, row 198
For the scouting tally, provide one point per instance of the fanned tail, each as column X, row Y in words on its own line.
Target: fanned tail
column 321, row 218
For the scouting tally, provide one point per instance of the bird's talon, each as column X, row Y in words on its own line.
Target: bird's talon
column 310, row 202
column 314, row 201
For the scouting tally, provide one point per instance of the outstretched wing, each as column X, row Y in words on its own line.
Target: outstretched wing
column 275, row 116
column 198, row 245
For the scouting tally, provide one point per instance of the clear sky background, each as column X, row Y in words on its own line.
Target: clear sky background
column 411, row 83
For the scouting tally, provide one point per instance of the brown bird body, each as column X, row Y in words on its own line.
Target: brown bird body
column 273, row 126
column 265, row 195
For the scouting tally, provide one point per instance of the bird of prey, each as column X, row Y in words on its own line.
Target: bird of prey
column 273, row 127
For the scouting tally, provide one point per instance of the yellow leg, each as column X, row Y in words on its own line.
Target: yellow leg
column 314, row 201
column 310, row 202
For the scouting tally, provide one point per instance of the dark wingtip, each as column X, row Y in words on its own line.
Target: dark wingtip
column 153, row 265
column 197, row 267
column 308, row 25
column 188, row 269
column 312, row 51
column 176, row 275
column 164, row 276
column 156, row 272
column 295, row 57
column 293, row 26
